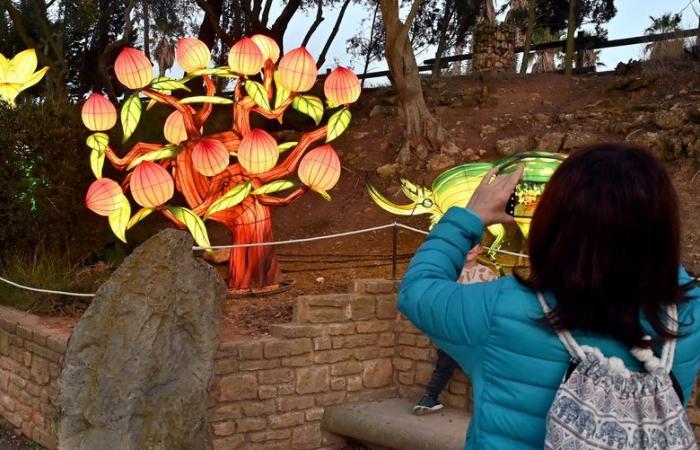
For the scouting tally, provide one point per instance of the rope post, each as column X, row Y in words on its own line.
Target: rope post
column 394, row 245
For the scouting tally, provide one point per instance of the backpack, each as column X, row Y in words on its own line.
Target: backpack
column 602, row 405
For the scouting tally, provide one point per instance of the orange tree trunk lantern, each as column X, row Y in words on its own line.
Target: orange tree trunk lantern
column 232, row 176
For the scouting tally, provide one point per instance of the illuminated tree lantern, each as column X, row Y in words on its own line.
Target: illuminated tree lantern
column 151, row 185
column 245, row 57
column 133, row 69
column 268, row 47
column 297, row 70
column 174, row 128
column 192, row 54
column 258, row 151
column 104, row 196
column 342, row 87
column 320, row 168
column 98, row 113
column 210, row 157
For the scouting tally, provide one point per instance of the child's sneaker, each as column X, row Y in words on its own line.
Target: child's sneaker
column 427, row 405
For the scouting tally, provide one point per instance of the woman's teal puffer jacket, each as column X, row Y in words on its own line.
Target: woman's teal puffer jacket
column 515, row 364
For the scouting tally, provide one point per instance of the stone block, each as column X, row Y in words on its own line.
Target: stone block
column 346, row 368
column 422, row 341
column 417, row 354
column 272, row 435
column 386, row 307
column 322, row 308
column 402, row 364
column 225, row 366
column 223, row 428
column 332, row 356
column 406, row 377
column 313, row 414
column 225, row 412
column 377, row 373
column 370, row 395
column 238, row 387
column 275, row 376
column 7, row 403
column 290, row 347
column 357, row 340
column 312, row 380
column 322, row 343
column 362, row 307
column 230, row 443
column 259, row 364
column 285, row 389
column 407, row 339
column 294, row 330
column 340, row 329
column 286, row 420
column 354, row 383
column 338, row 384
column 269, row 445
column 250, row 350
column 423, row 372
column 246, row 424
column 267, row 392
column 297, row 361
column 458, row 388
column 374, row 326
column 40, row 370
column 294, row 403
column 255, row 408
column 387, row 339
column 330, row 398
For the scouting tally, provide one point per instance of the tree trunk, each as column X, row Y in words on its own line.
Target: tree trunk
column 334, row 32
column 252, row 268
column 442, row 40
column 208, row 29
column 528, row 35
column 569, row 58
column 317, row 22
column 146, row 29
column 422, row 132
column 368, row 57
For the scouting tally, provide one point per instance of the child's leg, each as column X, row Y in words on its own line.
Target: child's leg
column 444, row 367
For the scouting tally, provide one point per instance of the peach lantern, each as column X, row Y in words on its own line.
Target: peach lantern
column 174, row 129
column 297, row 70
column 258, row 151
column 104, row 196
column 151, row 185
column 342, row 87
column 133, row 69
column 245, row 57
column 192, row 54
column 98, row 113
column 268, row 47
column 320, row 168
column 210, row 157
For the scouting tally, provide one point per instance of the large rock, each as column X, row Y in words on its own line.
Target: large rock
column 139, row 362
column 579, row 139
column 667, row 120
column 511, row 146
column 550, row 142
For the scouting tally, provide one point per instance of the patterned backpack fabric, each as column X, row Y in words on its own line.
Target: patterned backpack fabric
column 602, row 405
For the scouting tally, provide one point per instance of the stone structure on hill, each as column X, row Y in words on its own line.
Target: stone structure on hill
column 139, row 363
column 494, row 48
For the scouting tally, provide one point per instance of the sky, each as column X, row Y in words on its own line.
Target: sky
column 631, row 20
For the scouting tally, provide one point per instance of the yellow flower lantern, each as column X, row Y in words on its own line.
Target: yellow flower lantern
column 342, row 87
column 192, row 54
column 297, row 70
column 133, row 69
column 151, row 185
column 268, row 47
column 245, row 57
column 320, row 168
column 174, row 129
column 104, row 196
column 98, row 113
column 17, row 74
column 258, row 151
column 210, row 157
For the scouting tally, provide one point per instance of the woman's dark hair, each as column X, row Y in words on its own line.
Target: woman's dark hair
column 605, row 240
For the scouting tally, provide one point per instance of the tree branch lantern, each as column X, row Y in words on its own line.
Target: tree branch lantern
column 234, row 176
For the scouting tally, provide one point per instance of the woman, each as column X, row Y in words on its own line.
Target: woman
column 604, row 250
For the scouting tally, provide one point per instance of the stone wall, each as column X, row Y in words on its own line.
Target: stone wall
column 494, row 48
column 266, row 393
column 30, row 362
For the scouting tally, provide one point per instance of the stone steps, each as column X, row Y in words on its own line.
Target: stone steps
column 391, row 425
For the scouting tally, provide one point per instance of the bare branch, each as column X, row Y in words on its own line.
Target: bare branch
column 317, row 22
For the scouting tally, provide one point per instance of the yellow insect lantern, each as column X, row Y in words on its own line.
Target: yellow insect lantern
column 98, row 113
column 151, row 185
column 192, row 54
column 133, row 69
column 297, row 70
column 268, row 47
column 258, row 151
column 18, row 74
column 104, row 197
column 320, row 169
column 210, row 157
column 245, row 57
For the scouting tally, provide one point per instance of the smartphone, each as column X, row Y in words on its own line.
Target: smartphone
column 510, row 206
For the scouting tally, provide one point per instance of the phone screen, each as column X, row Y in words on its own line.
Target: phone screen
column 510, row 206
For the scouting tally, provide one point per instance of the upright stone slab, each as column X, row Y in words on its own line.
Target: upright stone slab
column 140, row 360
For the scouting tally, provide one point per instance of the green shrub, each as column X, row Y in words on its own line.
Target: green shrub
column 44, row 174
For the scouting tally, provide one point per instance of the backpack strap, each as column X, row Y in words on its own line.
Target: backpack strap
column 644, row 355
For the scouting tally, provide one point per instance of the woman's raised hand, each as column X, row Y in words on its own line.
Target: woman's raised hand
column 490, row 198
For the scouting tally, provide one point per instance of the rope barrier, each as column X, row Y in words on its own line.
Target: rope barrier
column 264, row 244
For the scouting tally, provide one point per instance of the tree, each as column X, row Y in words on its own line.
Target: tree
column 239, row 195
column 571, row 29
column 531, row 23
column 666, row 23
column 422, row 133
